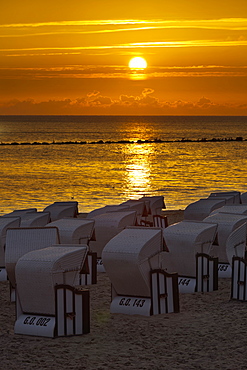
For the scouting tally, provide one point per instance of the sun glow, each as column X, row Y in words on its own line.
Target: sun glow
column 137, row 63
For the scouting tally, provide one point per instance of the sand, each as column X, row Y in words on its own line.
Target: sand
column 209, row 333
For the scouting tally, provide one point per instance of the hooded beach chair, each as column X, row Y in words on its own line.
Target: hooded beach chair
column 232, row 208
column 106, row 209
column 5, row 224
column 200, row 209
column 79, row 231
column 35, row 219
column 48, row 302
column 20, row 212
column 132, row 262
column 236, row 253
column 20, row 241
column 231, row 197
column 189, row 244
column 227, row 222
column 62, row 209
column 107, row 225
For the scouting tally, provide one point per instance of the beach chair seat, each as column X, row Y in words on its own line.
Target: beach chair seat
column 200, row 209
column 5, row 224
column 62, row 209
column 131, row 259
column 107, row 225
column 79, row 231
column 185, row 240
column 48, row 303
column 20, row 241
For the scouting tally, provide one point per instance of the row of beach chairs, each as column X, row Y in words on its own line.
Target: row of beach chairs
column 148, row 264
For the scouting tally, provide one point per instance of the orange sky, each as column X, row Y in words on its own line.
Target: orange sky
column 72, row 58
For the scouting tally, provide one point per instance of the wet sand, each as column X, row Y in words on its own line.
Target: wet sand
column 208, row 333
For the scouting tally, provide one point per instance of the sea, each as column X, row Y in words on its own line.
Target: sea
column 102, row 160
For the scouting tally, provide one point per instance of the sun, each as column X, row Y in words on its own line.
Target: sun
column 137, row 63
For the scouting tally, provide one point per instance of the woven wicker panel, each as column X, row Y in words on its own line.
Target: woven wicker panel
column 126, row 259
column 72, row 230
column 37, row 273
column 184, row 240
column 23, row 240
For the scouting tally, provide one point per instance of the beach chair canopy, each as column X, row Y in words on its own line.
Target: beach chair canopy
column 129, row 257
column 62, row 209
column 184, row 240
column 200, row 209
column 20, row 212
column 35, row 219
column 107, row 225
column 234, row 208
column 106, row 209
column 236, row 243
column 5, row 224
column 135, row 205
column 156, row 204
column 231, row 197
column 227, row 222
column 23, row 240
column 38, row 272
column 74, row 230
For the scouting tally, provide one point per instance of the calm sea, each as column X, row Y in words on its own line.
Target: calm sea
column 110, row 166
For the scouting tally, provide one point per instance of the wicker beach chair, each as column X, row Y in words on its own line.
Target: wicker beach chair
column 107, row 225
column 5, row 224
column 186, row 240
column 231, row 197
column 106, row 209
column 20, row 212
column 35, row 219
column 243, row 198
column 236, row 243
column 79, row 231
column 20, row 241
column 132, row 262
column 227, row 222
column 200, row 209
column 62, row 209
column 156, row 204
column 234, row 208
column 48, row 303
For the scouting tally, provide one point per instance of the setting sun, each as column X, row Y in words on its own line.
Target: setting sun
column 137, row 63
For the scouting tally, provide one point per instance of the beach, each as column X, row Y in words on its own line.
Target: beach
column 208, row 333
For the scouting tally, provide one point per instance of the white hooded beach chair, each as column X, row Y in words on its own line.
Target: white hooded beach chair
column 35, row 219
column 106, row 209
column 48, row 303
column 62, row 209
column 231, row 197
column 20, row 241
column 5, row 224
column 200, row 209
column 79, row 231
column 136, row 205
column 227, row 222
column 188, row 241
column 107, row 225
column 234, row 208
column 20, row 212
column 243, row 198
column 236, row 253
column 139, row 286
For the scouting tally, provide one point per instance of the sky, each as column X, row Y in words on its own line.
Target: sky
column 72, row 57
